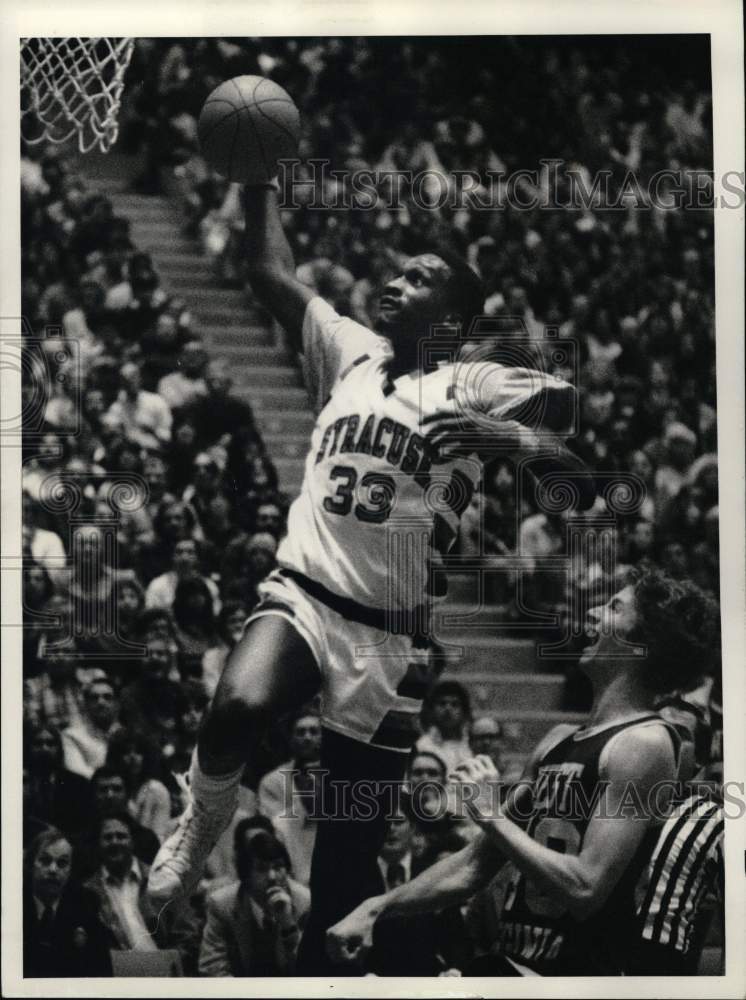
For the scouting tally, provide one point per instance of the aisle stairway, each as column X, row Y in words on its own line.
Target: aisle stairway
column 500, row 672
column 231, row 326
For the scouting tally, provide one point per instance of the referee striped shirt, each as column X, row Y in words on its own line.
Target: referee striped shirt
column 686, row 863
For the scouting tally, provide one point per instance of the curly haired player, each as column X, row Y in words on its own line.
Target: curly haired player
column 580, row 828
column 391, row 468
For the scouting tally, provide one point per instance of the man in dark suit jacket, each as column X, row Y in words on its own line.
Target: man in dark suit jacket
column 435, row 941
column 254, row 925
column 62, row 932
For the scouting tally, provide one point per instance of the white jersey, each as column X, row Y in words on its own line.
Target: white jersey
column 376, row 508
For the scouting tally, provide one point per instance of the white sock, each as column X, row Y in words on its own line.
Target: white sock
column 213, row 789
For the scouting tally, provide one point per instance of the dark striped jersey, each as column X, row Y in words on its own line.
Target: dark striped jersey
column 535, row 929
column 685, row 866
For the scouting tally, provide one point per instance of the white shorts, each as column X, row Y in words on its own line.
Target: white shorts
column 373, row 682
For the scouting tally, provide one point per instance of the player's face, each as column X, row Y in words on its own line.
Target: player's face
column 416, row 300
column 608, row 627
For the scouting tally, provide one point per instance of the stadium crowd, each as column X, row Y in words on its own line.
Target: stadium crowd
column 121, row 390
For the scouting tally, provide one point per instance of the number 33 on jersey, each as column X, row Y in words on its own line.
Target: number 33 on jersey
column 377, row 507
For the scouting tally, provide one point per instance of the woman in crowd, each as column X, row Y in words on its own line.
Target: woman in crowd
column 141, row 763
column 195, row 625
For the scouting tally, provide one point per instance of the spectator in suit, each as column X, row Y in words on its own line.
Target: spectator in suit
column 120, row 884
column 288, row 795
column 395, row 859
column 221, row 865
column 254, row 925
column 279, row 787
column 56, row 796
column 424, row 947
column 86, row 742
column 426, row 778
column 62, row 932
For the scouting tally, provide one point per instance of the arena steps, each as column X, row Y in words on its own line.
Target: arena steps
column 492, row 691
column 290, row 423
column 234, row 339
column 264, row 354
column 232, row 326
column 489, row 653
column 287, row 445
column 502, row 672
column 266, row 400
column 469, row 585
column 215, row 312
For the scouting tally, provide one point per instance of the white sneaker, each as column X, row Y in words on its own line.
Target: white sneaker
column 179, row 864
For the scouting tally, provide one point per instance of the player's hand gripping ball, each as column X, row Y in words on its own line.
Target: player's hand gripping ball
column 246, row 125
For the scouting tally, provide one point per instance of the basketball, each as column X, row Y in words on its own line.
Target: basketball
column 246, row 125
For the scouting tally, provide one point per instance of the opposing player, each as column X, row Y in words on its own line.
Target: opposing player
column 580, row 829
column 390, row 470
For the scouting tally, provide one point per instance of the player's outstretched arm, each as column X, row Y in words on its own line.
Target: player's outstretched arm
column 454, row 433
column 563, row 465
column 271, row 268
column 448, row 882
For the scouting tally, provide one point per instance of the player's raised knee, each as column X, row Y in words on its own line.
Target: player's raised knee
column 236, row 706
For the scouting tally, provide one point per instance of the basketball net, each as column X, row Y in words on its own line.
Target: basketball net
column 73, row 86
